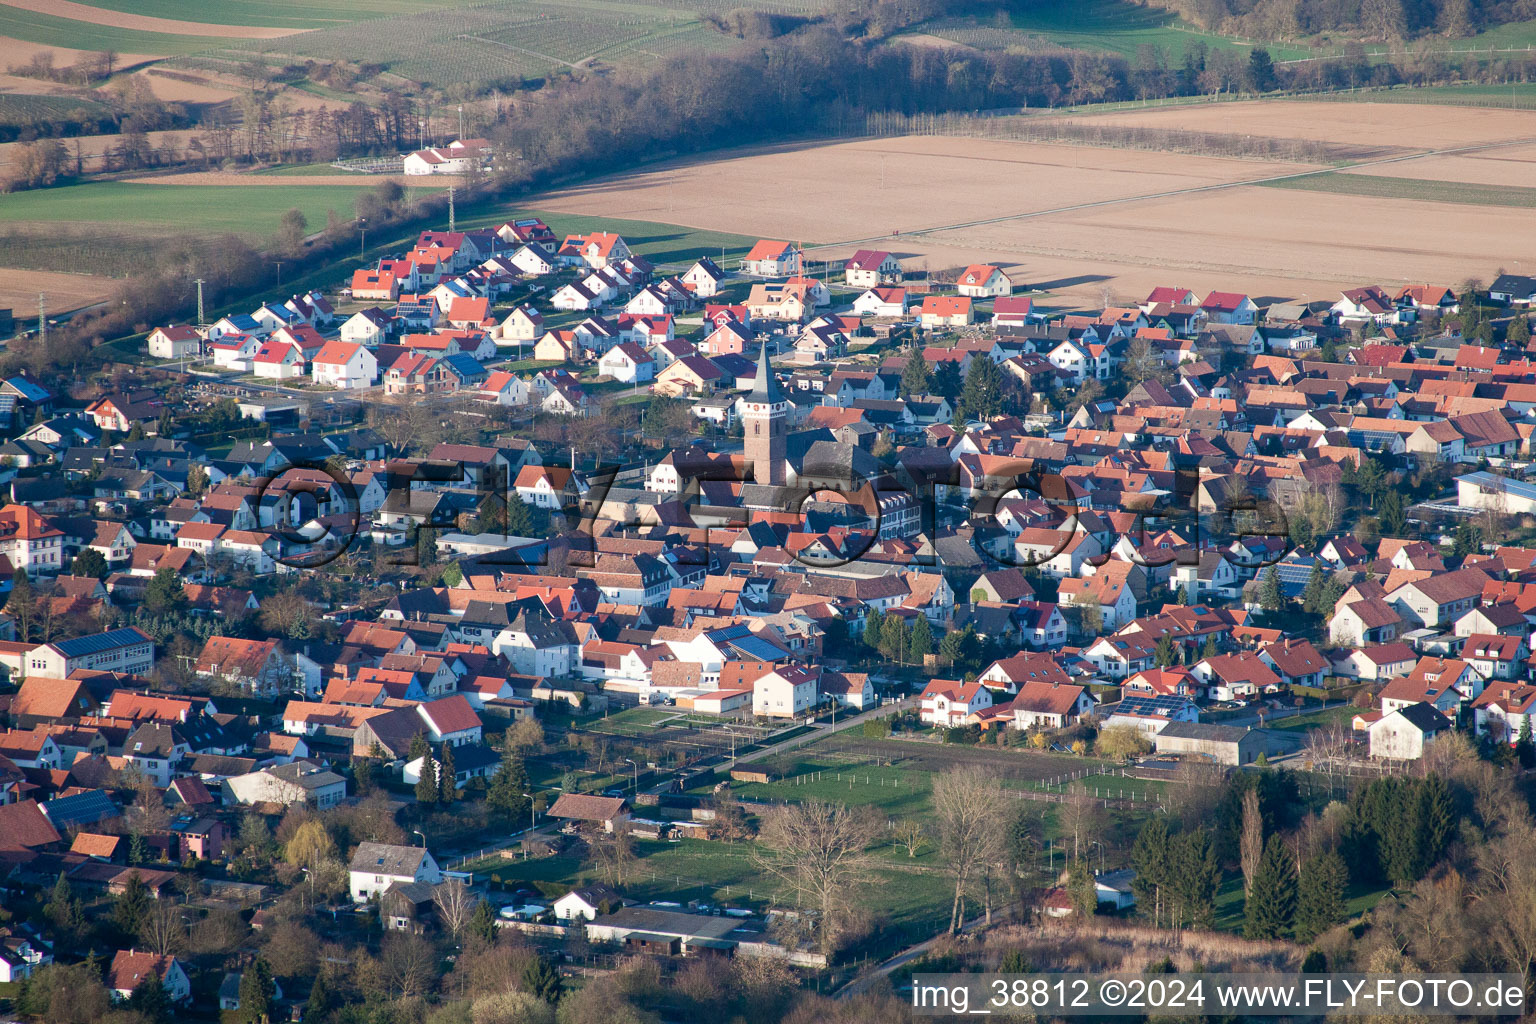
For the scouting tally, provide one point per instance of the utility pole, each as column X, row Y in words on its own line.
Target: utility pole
column 461, row 122
column 42, row 317
column 201, row 321
column 421, row 133
column 450, row 208
column 362, row 236
column 279, row 265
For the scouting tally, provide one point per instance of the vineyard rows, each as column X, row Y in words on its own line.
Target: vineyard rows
column 19, row 109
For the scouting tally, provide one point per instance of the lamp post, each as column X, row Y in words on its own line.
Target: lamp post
column 635, row 788
column 533, row 820
column 423, row 835
column 1100, row 845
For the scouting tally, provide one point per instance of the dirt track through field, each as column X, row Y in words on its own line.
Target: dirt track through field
column 143, row 23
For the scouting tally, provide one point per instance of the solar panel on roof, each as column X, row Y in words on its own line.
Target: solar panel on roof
column 97, row 642
column 757, row 648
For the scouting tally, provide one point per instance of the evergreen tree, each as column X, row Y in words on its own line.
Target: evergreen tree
column 257, row 990
column 1150, row 858
column 1208, row 649
column 1393, row 516
column 982, row 396
column 63, row 909
column 131, row 905
column 946, row 380
column 1163, row 654
column 426, row 785
column 1181, row 596
column 419, row 746
column 1270, row 909
column 952, row 647
column 541, row 979
column 1518, row 332
column 1195, row 874
column 893, row 638
column 150, row 999
column 1261, row 70
column 920, row 640
column 519, row 518
column 1316, row 589
column 1271, row 597
column 1320, row 896
column 164, row 594
column 89, row 562
column 321, row 1000
column 482, row 923
column 874, row 627
column 1437, row 813
column 1082, row 891
column 447, row 787
column 914, row 376
column 510, row 782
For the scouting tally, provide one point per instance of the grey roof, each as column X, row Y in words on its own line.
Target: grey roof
column 1425, row 717
column 765, row 386
column 387, row 859
column 669, row 923
column 1205, row 731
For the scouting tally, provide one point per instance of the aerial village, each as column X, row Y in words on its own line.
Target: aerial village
column 350, row 611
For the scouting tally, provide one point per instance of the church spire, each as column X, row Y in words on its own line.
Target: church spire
column 765, row 388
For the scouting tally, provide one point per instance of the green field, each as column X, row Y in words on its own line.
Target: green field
column 52, row 31
column 1116, row 26
column 1315, row 720
column 190, row 209
column 305, row 14
column 1427, row 190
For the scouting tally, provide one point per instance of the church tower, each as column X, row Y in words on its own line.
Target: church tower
column 763, row 420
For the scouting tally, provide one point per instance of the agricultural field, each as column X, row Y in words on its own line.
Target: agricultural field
column 190, row 209
column 1116, row 26
column 295, row 14
column 1414, row 189
column 1079, row 223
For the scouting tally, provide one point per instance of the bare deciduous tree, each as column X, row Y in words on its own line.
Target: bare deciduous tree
column 614, row 853
column 965, row 805
column 1251, row 841
column 455, row 904
column 164, row 928
column 816, row 851
column 911, row 833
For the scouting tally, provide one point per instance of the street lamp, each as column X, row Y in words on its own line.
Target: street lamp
column 533, row 812
column 423, row 835
column 636, row 787
column 1093, row 843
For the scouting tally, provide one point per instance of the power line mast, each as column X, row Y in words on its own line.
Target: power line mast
column 42, row 317
column 450, row 208
column 201, row 320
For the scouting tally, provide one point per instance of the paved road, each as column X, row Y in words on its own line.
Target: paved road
column 863, row 981
column 1256, row 718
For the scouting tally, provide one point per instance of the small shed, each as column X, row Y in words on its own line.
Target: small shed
column 650, row 942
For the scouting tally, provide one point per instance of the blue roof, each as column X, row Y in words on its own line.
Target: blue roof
column 464, row 364
column 243, row 321
column 80, row 809
column 30, row 391
column 756, row 648
column 97, row 642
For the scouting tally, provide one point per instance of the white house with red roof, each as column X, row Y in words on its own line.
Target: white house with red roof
column 344, row 365
column 945, row 311
column 597, row 250
column 519, row 327
column 771, row 259
column 1049, row 705
column 278, row 360
column 983, row 281
column 174, row 342
column 1013, row 311
column 451, row 720
column 869, row 268
column 1229, row 308
column 948, row 702
column 377, row 285
column 1170, row 296
column 458, row 157
column 131, row 966
column 882, row 301
column 504, row 388
column 785, row 692
column 30, row 541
